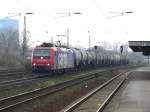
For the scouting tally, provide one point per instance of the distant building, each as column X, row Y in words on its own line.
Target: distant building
column 9, row 23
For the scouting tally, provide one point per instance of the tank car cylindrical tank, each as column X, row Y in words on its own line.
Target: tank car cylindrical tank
column 77, row 57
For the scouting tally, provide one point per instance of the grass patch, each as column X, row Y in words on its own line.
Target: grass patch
column 47, row 83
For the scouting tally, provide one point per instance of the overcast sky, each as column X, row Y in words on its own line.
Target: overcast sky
column 95, row 18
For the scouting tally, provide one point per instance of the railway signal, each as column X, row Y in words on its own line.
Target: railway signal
column 121, row 49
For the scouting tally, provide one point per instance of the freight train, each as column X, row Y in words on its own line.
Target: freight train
column 60, row 59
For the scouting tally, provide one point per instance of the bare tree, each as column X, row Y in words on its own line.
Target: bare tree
column 115, row 46
column 10, row 47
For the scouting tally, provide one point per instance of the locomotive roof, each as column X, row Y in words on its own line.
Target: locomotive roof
column 42, row 47
column 53, row 48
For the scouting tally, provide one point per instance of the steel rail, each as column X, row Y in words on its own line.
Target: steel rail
column 17, row 81
column 32, row 95
column 6, row 74
column 11, row 70
column 23, row 80
column 101, row 108
column 73, row 106
column 104, row 104
column 38, row 93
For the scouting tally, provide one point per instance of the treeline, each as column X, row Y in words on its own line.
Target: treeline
column 10, row 48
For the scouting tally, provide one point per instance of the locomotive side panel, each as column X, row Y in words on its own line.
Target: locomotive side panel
column 64, row 58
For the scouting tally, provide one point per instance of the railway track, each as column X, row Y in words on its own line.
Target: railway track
column 12, row 102
column 17, row 81
column 13, row 77
column 10, row 73
column 33, row 78
column 96, row 100
column 18, row 86
column 11, row 70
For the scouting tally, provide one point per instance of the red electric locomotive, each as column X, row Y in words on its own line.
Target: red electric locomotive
column 52, row 59
column 42, row 58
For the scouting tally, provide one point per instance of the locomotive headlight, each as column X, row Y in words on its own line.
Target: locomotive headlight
column 34, row 64
column 48, row 64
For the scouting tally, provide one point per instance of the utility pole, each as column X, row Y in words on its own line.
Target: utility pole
column 52, row 40
column 68, row 37
column 66, row 15
column 89, row 40
column 59, row 40
column 24, row 43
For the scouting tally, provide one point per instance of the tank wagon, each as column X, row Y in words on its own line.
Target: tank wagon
column 60, row 59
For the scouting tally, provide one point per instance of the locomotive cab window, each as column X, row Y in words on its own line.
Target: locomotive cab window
column 45, row 53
